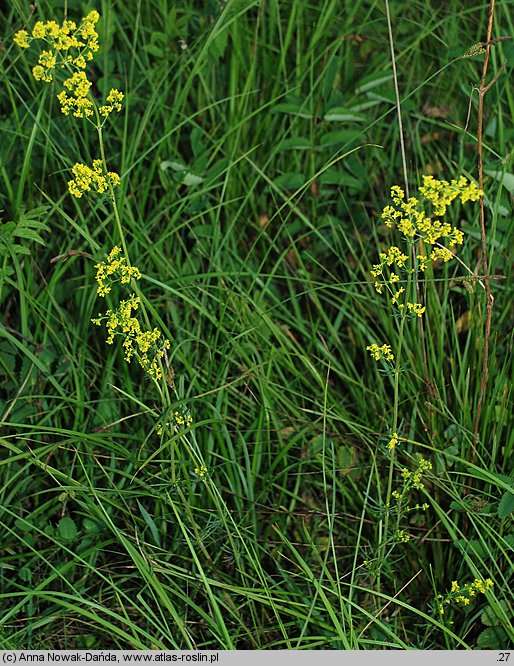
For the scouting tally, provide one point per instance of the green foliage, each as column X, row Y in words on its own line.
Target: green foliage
column 15, row 236
column 256, row 152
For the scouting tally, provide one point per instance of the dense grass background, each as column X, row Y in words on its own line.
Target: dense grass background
column 252, row 209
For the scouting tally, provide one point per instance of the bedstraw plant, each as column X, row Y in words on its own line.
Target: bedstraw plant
column 67, row 50
column 215, row 177
column 427, row 240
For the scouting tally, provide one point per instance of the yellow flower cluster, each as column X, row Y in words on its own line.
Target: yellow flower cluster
column 393, row 441
column 413, row 480
column 70, row 47
column 78, row 101
column 401, row 536
column 149, row 347
column 413, row 218
column 410, row 481
column 201, row 471
column 380, row 352
column 87, row 178
column 115, row 269
column 176, row 423
column 463, row 595
column 441, row 193
column 114, row 99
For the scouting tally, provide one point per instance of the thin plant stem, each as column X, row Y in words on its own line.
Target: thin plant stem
column 483, row 236
column 406, row 185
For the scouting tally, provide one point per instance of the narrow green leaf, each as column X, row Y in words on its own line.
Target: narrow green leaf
column 151, row 524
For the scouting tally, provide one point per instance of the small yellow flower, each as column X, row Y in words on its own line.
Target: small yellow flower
column 380, row 352
column 114, row 98
column 87, row 179
column 21, row 39
column 416, row 308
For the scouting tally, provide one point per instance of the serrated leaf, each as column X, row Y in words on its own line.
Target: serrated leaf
column 67, row 529
column 493, row 638
column 20, row 249
column 490, row 618
column 29, row 234
column 28, row 227
column 506, row 505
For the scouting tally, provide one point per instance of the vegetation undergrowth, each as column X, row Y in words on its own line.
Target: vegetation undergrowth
column 240, row 386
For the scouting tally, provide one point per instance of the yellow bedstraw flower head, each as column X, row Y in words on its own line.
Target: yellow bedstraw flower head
column 416, row 218
column 464, row 594
column 383, row 352
column 63, row 38
column 71, row 47
column 115, row 269
column 21, row 39
column 95, row 178
column 178, row 422
column 77, row 102
column 114, row 99
column 149, row 347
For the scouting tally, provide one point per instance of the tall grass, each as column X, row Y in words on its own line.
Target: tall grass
column 257, row 148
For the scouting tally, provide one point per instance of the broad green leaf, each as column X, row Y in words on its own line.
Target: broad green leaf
column 340, row 114
column 190, row 179
column 290, row 180
column 339, row 137
column 490, row 618
column 67, row 529
column 25, row 574
column 154, row 50
column 292, row 109
column 506, row 506
column 493, row 638
column 373, row 81
column 295, row 143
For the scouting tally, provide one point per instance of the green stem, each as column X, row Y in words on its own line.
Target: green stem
column 163, row 386
column 384, row 525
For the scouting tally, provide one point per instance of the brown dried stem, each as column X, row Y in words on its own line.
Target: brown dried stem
column 483, row 236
